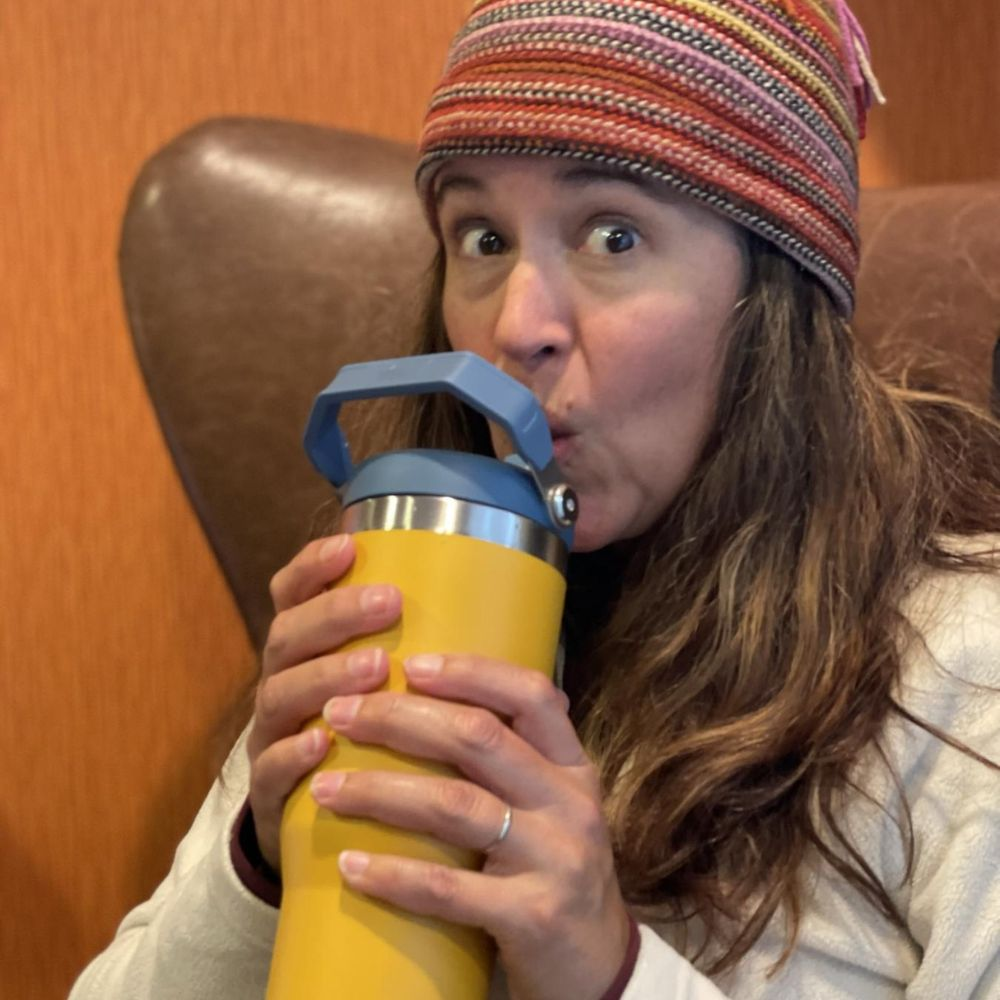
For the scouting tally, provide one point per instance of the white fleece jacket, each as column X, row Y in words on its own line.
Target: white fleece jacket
column 203, row 935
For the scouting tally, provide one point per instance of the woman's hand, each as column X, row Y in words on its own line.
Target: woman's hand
column 302, row 671
column 548, row 892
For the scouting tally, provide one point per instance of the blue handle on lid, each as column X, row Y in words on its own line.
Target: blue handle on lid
column 467, row 376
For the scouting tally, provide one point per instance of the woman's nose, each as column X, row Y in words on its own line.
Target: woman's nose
column 535, row 319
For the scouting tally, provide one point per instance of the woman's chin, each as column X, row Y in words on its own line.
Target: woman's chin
column 604, row 524
column 590, row 534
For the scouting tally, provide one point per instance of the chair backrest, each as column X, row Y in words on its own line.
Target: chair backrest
column 259, row 256
column 929, row 284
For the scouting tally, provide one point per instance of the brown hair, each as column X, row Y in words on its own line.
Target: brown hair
column 748, row 652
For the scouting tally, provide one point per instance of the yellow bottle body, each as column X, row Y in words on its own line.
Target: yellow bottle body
column 460, row 595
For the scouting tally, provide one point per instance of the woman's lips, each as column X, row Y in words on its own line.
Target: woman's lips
column 563, row 438
column 562, row 446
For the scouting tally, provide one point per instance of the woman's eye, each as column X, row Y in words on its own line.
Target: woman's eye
column 611, row 238
column 480, row 242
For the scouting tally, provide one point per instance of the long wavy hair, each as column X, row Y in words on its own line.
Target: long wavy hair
column 745, row 654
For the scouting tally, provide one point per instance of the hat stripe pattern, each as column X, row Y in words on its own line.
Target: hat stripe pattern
column 748, row 106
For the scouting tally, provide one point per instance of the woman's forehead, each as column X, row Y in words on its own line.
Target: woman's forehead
column 480, row 173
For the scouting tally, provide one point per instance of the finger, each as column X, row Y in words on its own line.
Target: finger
column 451, row 810
column 274, row 775
column 286, row 700
column 327, row 621
column 314, row 568
column 452, row 894
column 560, row 946
column 537, row 709
column 467, row 737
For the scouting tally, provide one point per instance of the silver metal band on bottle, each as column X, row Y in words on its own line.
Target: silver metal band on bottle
column 448, row 516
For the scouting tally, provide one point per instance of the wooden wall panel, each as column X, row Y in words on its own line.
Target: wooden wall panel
column 120, row 651
column 939, row 65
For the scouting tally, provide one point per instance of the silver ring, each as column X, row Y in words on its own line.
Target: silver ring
column 501, row 836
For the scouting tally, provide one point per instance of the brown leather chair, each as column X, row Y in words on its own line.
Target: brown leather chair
column 257, row 257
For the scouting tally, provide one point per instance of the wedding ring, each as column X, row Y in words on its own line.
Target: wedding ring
column 502, row 833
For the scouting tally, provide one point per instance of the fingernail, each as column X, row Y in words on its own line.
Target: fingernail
column 424, row 666
column 364, row 663
column 339, row 711
column 332, row 546
column 375, row 600
column 353, row 863
column 311, row 742
column 325, row 785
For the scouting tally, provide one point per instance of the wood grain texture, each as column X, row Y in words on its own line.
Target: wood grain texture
column 121, row 651
column 939, row 65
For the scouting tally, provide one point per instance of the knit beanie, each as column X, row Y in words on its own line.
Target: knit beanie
column 752, row 107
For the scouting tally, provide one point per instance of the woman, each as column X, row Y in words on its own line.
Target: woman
column 773, row 760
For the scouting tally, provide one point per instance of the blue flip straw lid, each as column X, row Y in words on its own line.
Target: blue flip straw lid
column 529, row 483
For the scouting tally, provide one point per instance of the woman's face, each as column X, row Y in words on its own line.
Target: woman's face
column 610, row 299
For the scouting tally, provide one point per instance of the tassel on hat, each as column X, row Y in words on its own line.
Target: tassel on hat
column 858, row 54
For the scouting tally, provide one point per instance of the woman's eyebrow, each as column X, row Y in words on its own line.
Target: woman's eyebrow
column 455, row 182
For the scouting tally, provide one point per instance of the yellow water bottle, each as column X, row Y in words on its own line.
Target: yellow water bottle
column 478, row 548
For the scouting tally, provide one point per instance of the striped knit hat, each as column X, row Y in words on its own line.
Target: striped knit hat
column 753, row 107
